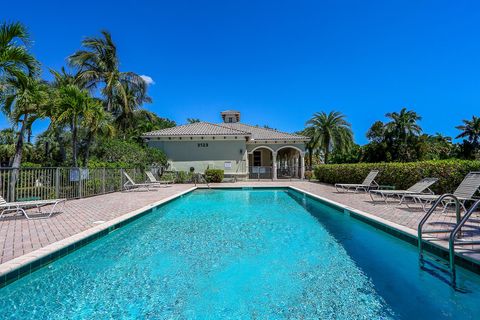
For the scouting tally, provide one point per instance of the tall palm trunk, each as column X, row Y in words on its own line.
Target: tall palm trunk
column 326, row 151
column 29, row 134
column 87, row 150
column 74, row 142
column 47, row 149
column 61, row 145
column 310, row 157
column 17, row 159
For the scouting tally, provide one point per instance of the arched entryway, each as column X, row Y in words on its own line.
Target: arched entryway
column 260, row 163
column 286, row 162
column 289, row 163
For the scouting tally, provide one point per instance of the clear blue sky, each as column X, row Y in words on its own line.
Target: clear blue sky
column 278, row 62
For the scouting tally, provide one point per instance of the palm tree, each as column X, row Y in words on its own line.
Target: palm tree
column 7, row 145
column 312, row 145
column 97, row 122
column 136, row 97
column 61, row 79
column 23, row 102
column 440, row 138
column 98, row 64
column 72, row 103
column 46, row 141
column 403, row 124
column 470, row 130
column 192, row 120
column 14, row 56
column 145, row 121
column 331, row 131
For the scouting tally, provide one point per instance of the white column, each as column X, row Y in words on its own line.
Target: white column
column 302, row 165
column 247, row 169
column 274, row 165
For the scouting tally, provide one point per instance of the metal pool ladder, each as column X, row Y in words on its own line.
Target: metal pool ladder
column 455, row 234
column 453, row 240
column 200, row 178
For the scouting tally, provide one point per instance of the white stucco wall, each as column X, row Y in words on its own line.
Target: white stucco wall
column 204, row 154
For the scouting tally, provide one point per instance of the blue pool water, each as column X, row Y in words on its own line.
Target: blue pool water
column 241, row 254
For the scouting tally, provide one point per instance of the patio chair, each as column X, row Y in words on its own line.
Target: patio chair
column 421, row 187
column 130, row 185
column 22, row 206
column 366, row 185
column 464, row 192
column 154, row 180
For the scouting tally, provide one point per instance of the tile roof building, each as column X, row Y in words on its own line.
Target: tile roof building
column 241, row 150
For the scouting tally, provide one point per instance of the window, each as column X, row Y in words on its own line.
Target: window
column 230, row 119
column 257, row 158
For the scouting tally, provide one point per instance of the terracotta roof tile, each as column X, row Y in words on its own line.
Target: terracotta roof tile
column 197, row 129
column 259, row 133
column 225, row 129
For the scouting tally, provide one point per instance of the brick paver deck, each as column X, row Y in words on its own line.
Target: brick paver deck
column 19, row 236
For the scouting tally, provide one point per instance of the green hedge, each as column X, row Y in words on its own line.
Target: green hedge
column 401, row 175
column 214, row 175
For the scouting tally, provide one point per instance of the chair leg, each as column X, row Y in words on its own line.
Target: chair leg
column 462, row 203
column 424, row 205
column 401, row 200
column 25, row 214
column 53, row 209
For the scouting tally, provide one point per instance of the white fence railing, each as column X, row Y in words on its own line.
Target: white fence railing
column 52, row 183
column 288, row 172
column 260, row 172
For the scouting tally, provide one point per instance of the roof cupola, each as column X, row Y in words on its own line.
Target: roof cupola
column 230, row 116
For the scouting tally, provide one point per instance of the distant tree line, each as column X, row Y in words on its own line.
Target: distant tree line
column 399, row 139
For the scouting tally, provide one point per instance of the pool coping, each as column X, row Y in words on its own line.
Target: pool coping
column 19, row 267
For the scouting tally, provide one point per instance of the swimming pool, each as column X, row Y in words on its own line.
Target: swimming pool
column 236, row 254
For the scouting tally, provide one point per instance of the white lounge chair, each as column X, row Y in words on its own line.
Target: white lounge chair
column 464, row 192
column 421, row 187
column 132, row 185
column 366, row 185
column 22, row 206
column 154, row 180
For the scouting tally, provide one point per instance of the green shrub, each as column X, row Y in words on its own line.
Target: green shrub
column 214, row 175
column 168, row 176
column 155, row 156
column 181, row 176
column 95, row 163
column 30, row 165
column 308, row 175
column 401, row 175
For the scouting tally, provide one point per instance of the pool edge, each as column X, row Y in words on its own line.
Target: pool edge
column 401, row 232
column 19, row 267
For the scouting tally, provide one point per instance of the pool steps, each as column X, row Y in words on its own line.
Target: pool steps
column 454, row 234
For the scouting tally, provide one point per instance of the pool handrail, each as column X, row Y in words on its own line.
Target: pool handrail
column 453, row 235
